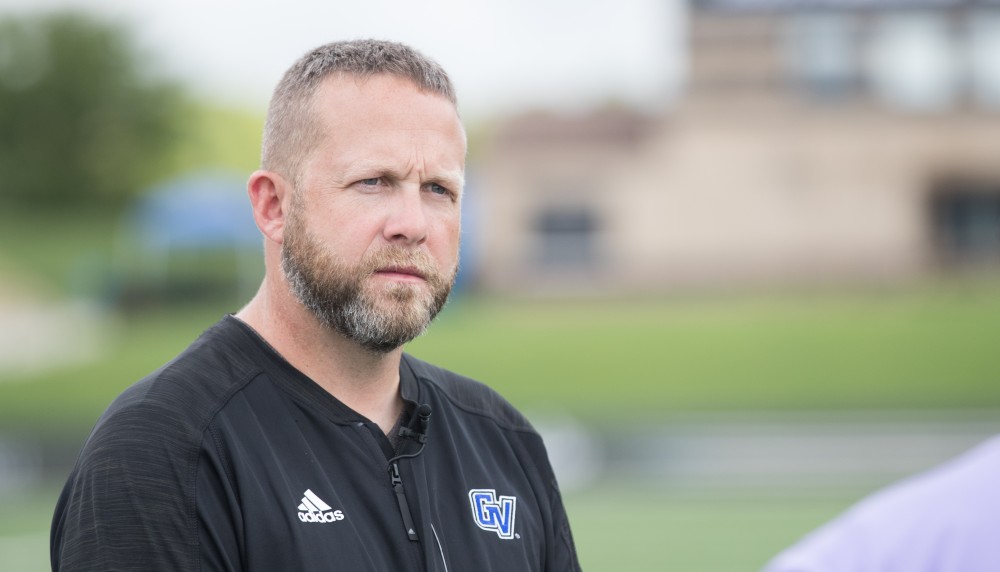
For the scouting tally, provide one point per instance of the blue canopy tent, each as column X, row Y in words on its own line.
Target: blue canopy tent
column 186, row 218
column 202, row 210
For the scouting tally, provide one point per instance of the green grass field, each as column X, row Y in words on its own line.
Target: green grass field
column 631, row 530
column 933, row 348
column 624, row 359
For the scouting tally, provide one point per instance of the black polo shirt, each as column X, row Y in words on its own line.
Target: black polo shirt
column 228, row 458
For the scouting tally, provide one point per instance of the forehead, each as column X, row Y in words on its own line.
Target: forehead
column 347, row 104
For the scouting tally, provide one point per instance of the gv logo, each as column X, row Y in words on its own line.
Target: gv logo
column 493, row 514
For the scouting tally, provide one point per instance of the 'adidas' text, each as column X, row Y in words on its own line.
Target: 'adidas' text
column 332, row 516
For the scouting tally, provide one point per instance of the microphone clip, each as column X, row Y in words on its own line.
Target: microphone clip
column 421, row 420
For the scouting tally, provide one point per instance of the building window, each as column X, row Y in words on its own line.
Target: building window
column 821, row 53
column 913, row 62
column 965, row 216
column 566, row 236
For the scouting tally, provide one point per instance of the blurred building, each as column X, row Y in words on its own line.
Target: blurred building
column 816, row 142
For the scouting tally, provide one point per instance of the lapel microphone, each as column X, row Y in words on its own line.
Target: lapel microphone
column 417, row 427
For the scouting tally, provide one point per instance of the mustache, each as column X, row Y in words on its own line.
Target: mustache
column 398, row 257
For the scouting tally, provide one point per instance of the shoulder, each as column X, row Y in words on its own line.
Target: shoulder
column 135, row 476
column 469, row 395
column 946, row 511
column 173, row 404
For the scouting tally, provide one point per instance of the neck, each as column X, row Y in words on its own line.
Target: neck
column 365, row 381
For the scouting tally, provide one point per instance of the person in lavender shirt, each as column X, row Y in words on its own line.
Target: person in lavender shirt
column 944, row 520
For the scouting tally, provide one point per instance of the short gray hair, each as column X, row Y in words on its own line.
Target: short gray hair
column 290, row 130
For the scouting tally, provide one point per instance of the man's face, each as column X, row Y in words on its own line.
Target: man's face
column 370, row 243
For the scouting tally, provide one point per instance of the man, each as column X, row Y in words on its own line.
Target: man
column 944, row 520
column 296, row 435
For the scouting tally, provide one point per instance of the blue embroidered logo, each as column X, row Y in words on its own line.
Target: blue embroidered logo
column 493, row 513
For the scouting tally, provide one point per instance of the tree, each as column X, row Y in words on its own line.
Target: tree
column 83, row 117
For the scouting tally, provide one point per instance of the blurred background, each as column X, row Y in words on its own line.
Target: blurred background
column 738, row 259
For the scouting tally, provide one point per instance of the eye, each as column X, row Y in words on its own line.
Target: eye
column 438, row 189
column 370, row 182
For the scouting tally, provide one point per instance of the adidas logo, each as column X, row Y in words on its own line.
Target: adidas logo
column 313, row 509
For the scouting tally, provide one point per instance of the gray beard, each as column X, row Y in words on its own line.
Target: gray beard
column 378, row 320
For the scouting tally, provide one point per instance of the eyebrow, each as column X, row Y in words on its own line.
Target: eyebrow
column 449, row 178
column 456, row 180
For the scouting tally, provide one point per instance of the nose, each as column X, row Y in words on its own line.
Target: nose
column 407, row 220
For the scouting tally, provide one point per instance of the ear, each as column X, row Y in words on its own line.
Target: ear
column 269, row 194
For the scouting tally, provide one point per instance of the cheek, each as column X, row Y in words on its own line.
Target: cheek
column 345, row 236
column 354, row 220
column 451, row 232
column 443, row 243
